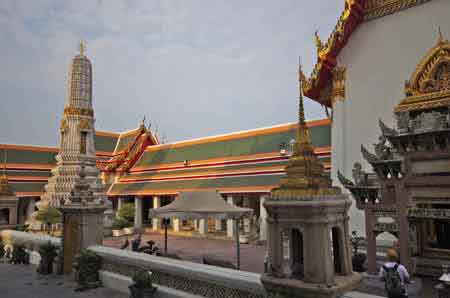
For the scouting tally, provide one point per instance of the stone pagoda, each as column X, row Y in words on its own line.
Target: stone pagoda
column 312, row 215
column 408, row 193
column 77, row 147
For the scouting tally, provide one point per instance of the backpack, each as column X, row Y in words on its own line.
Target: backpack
column 393, row 282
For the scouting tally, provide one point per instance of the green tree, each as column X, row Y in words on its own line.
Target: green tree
column 49, row 216
column 127, row 211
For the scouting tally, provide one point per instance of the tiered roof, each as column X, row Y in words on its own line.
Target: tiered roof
column 247, row 161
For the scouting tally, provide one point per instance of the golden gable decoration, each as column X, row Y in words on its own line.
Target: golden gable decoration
column 429, row 86
column 379, row 8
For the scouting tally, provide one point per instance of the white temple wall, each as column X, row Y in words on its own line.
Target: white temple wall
column 379, row 57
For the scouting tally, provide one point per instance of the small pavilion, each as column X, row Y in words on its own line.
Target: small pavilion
column 202, row 205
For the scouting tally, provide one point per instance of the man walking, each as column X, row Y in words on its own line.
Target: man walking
column 395, row 276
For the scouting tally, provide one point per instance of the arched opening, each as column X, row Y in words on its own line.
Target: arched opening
column 336, row 236
column 296, row 254
column 4, row 216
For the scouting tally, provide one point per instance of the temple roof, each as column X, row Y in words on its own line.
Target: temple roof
column 246, row 161
column 354, row 14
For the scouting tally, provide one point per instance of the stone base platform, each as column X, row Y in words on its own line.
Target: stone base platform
column 297, row 288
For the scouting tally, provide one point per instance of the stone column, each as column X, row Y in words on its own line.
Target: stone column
column 120, row 202
column 13, row 215
column 31, row 208
column 247, row 221
column 176, row 224
column 371, row 243
column 230, row 224
column 203, row 226
column 155, row 221
column 218, row 225
column 262, row 219
column 137, row 212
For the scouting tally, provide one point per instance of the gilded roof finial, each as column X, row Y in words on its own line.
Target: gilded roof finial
column 82, row 47
column 319, row 43
column 441, row 39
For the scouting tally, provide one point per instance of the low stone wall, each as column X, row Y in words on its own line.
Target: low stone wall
column 29, row 240
column 184, row 276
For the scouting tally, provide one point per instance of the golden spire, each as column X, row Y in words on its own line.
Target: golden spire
column 82, row 47
column 304, row 173
column 441, row 39
column 4, row 186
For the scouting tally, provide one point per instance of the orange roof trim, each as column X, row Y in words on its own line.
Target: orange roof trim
column 239, row 134
column 351, row 18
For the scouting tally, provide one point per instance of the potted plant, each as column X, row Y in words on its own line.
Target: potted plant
column 358, row 259
column 142, row 286
column 87, row 265
column 48, row 253
column 49, row 216
column 118, row 225
column 19, row 255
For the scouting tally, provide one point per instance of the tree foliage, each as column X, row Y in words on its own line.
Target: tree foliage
column 49, row 215
column 127, row 211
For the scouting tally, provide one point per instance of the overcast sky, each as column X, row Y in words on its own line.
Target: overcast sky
column 194, row 68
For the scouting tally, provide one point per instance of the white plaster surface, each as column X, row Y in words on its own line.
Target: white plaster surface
column 380, row 55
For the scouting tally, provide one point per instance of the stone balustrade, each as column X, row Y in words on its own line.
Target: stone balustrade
column 29, row 240
column 183, row 276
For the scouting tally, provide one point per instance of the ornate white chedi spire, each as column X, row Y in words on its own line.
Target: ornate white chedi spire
column 77, row 147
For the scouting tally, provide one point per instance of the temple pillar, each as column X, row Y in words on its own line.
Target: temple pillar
column 120, row 202
column 371, row 243
column 13, row 215
column 31, row 208
column 262, row 219
column 231, row 230
column 219, row 225
column 137, row 212
column 203, row 226
column 246, row 220
column 176, row 224
column 155, row 221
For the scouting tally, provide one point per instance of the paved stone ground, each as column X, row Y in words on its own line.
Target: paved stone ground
column 17, row 281
column 193, row 249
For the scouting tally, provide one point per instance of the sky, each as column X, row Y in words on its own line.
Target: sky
column 193, row 68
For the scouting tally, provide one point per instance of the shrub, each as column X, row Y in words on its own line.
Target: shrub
column 127, row 212
column 143, row 279
column 88, row 265
column 120, row 223
column 49, row 216
column 48, row 253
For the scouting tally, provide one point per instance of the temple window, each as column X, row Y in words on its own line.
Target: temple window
column 336, row 238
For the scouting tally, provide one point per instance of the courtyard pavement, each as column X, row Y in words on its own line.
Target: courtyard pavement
column 20, row 281
column 194, row 248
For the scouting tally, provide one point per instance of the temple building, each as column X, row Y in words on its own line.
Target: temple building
column 408, row 194
column 361, row 68
column 133, row 166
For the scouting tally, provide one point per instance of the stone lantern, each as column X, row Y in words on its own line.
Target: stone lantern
column 313, row 217
column 82, row 221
